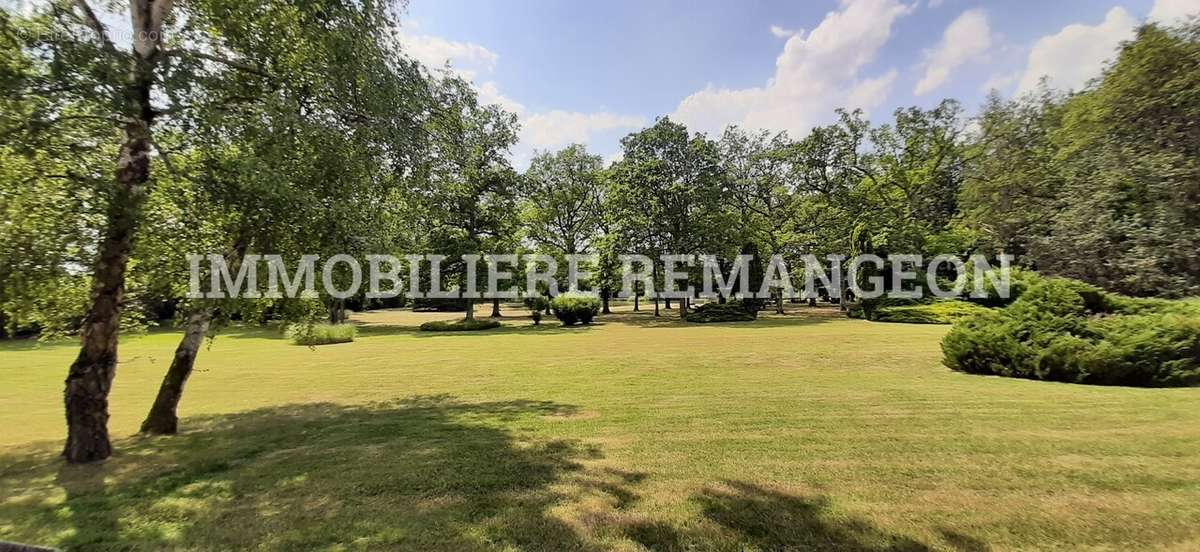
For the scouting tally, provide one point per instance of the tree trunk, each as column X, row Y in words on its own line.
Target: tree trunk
column 470, row 308
column 656, row 313
column 779, row 303
column 636, row 299
column 683, row 307
column 90, row 376
column 668, row 300
column 495, row 307
column 604, row 294
column 162, row 419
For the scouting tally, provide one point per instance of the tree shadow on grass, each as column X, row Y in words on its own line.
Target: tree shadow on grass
column 671, row 320
column 428, row 473
column 767, row 519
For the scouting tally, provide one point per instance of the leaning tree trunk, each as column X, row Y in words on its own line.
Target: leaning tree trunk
column 163, row 419
column 495, row 307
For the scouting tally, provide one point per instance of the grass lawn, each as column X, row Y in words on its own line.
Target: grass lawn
column 808, row 431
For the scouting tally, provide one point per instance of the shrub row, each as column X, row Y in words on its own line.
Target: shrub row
column 459, row 325
column 1065, row 330
column 321, row 334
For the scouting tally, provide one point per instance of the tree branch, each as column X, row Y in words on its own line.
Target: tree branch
column 93, row 22
column 218, row 59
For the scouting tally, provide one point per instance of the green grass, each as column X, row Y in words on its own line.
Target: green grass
column 809, row 431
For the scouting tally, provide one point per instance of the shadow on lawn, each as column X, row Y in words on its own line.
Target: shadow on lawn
column 429, row 473
column 418, row 474
column 767, row 519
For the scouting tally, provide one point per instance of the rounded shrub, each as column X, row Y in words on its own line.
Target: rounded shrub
column 1065, row 330
column 575, row 308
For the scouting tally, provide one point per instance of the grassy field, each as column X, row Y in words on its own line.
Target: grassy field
column 808, row 431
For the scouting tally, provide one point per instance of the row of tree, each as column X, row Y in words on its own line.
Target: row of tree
column 302, row 128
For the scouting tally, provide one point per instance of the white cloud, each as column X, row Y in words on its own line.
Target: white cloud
column 539, row 129
column 781, row 32
column 558, row 128
column 966, row 38
column 813, row 75
column 1077, row 53
column 1173, row 11
column 1000, row 81
column 467, row 58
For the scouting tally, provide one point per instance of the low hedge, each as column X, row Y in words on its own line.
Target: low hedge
column 459, row 325
column 321, row 334
column 733, row 311
column 1065, row 330
column 573, row 308
column 937, row 312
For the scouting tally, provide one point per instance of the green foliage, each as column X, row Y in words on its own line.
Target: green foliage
column 1101, row 185
column 1065, row 330
column 321, row 333
column 937, row 312
column 471, row 325
column 536, row 303
column 732, row 311
column 573, row 308
column 1019, row 280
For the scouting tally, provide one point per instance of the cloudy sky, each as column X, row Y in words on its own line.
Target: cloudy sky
column 593, row 72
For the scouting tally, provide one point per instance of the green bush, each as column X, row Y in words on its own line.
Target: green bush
column 733, row 311
column 1065, row 330
column 573, row 308
column 1019, row 280
column 938, row 312
column 536, row 303
column 866, row 308
column 459, row 325
column 321, row 334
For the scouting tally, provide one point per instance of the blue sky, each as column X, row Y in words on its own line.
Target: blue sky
column 592, row 72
